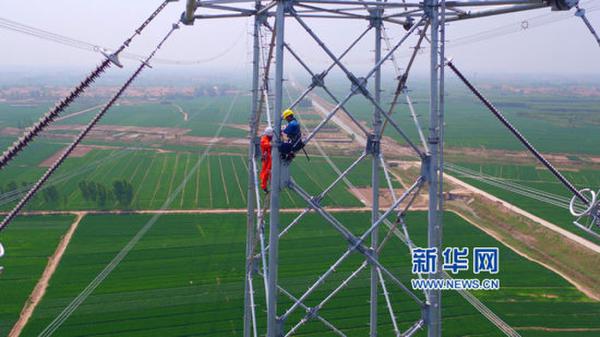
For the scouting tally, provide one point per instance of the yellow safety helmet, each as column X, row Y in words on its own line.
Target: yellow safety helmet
column 287, row 113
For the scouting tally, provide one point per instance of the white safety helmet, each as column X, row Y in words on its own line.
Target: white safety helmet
column 268, row 131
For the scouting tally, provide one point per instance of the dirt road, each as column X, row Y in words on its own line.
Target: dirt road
column 322, row 107
column 188, row 211
column 568, row 235
column 78, row 113
column 40, row 288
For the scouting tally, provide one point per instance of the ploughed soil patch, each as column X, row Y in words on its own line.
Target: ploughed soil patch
column 79, row 151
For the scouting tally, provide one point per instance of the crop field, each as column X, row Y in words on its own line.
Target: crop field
column 540, row 179
column 552, row 124
column 29, row 241
column 219, row 182
column 549, row 122
column 205, row 114
column 185, row 277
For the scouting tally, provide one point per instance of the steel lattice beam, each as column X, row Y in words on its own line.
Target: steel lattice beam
column 417, row 17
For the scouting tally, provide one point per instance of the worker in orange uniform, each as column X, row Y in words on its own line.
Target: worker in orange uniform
column 265, row 148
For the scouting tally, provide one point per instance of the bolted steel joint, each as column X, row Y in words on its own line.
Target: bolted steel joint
column 433, row 140
column 369, row 252
column 312, row 312
column 410, row 21
column 353, row 241
column 362, row 250
column 562, row 5
column 288, row 6
column 373, row 146
column 257, row 152
column 262, row 18
column 375, row 17
column 402, row 83
column 425, row 167
column 318, row 80
column 358, row 84
column 316, row 200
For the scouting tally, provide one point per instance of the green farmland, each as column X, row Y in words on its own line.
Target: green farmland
column 185, row 277
column 552, row 124
column 540, row 179
column 220, row 180
column 28, row 242
column 205, row 114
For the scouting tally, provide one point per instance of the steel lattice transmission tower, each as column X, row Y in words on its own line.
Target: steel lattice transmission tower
column 424, row 20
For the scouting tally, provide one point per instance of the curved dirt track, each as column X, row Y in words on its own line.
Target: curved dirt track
column 569, row 235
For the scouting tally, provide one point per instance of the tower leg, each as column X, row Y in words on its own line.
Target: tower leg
column 434, row 314
column 273, row 324
column 251, row 218
column 376, row 21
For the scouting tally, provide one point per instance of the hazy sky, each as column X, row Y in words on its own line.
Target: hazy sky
column 554, row 42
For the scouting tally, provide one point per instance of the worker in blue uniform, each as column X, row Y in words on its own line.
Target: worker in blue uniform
column 293, row 134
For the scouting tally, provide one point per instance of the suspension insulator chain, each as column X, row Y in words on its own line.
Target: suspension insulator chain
column 144, row 25
column 81, row 136
column 51, row 115
column 518, row 134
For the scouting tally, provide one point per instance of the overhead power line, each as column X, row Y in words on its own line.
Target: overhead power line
column 93, row 285
column 515, row 27
column 52, row 114
column 14, row 26
column 82, row 135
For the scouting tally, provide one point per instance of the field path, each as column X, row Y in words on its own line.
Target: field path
column 589, row 293
column 190, row 211
column 40, row 288
column 321, row 106
column 569, row 235
column 79, row 112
